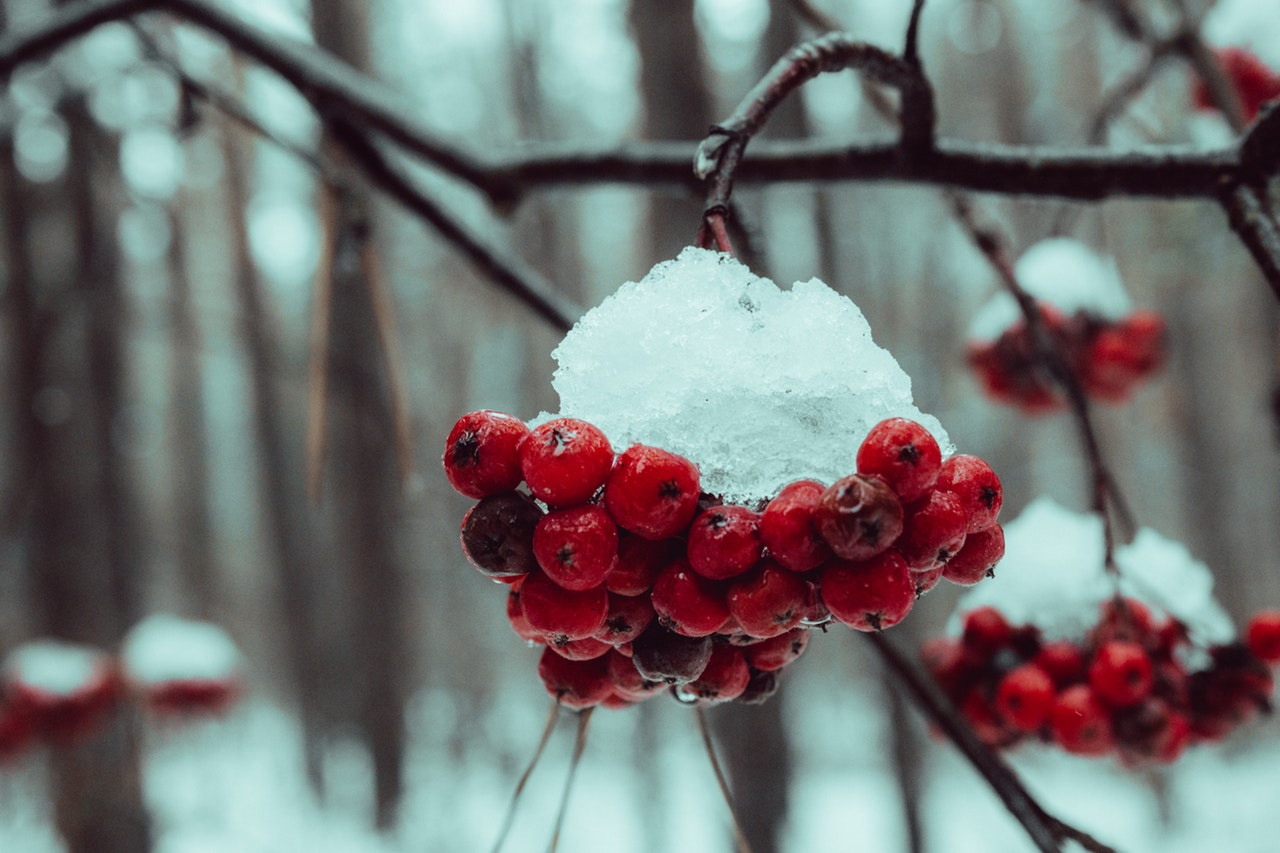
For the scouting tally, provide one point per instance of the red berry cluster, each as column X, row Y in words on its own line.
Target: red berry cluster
column 1255, row 82
column 637, row 582
column 1125, row 689
column 1109, row 358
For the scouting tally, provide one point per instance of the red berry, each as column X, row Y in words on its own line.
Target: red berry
column 519, row 624
column 1121, row 673
column 638, row 564
column 652, row 492
column 482, row 453
column 724, row 541
column 627, row 680
column 665, row 656
column 870, row 595
column 977, row 486
column 688, row 603
column 980, row 712
column 565, row 461
column 562, row 614
column 926, row 580
column 575, row 683
column 933, row 531
column 768, row 600
column 1080, row 723
column 777, row 652
column 497, row 535
column 986, row 631
column 977, row 557
column 1025, row 697
column 1063, row 660
column 903, row 454
column 1262, row 636
column 725, row 677
column 576, row 547
column 859, row 517
column 628, row 616
column 788, row 530
column 585, row 649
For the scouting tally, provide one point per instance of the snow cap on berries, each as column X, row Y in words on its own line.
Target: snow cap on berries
column 758, row 385
column 1061, row 272
column 166, row 648
column 1052, row 575
column 55, row 667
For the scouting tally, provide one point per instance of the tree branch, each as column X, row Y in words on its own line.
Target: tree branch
column 1256, row 228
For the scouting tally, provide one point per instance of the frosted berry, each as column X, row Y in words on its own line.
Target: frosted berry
column 777, row 652
column 768, row 600
column 724, row 678
column 903, row 454
column 665, row 656
column 1262, row 636
column 565, row 461
column 628, row 616
column 870, row 595
column 497, row 535
column 933, row 531
column 575, row 683
column 724, row 541
column 482, row 453
column 1025, row 696
column 977, row 558
column 788, row 530
column 977, row 486
column 652, row 492
column 926, row 580
column 576, row 547
column 1121, row 673
column 1080, row 723
column 859, row 516
column 688, row 603
column 562, row 614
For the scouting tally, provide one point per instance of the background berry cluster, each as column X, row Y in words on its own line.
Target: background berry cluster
column 637, row 582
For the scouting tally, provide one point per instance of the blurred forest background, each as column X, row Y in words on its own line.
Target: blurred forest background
column 162, row 267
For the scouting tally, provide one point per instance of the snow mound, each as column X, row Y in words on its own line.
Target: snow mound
column 1052, row 575
column 164, row 648
column 1061, row 272
column 55, row 666
column 758, row 385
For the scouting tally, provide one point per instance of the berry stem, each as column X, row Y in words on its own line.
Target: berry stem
column 739, row 838
column 510, row 816
column 579, row 744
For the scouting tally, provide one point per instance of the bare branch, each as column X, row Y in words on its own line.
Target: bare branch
column 1256, row 228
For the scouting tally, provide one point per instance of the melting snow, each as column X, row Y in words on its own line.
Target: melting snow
column 166, row 648
column 55, row 666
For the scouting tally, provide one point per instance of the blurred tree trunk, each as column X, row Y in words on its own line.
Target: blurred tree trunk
column 366, row 493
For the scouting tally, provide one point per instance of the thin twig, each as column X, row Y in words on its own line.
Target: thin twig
column 392, row 358
column 318, row 346
column 1256, row 227
column 579, row 744
column 509, row 819
column 739, row 837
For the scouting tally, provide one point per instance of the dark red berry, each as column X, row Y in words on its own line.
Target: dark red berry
column 724, row 541
column 859, row 517
column 788, row 530
column 562, row 614
column 760, row 687
column 482, row 453
column 977, row 557
column 724, row 678
column 980, row 712
column 768, row 600
column 1080, row 723
column 688, row 603
column 1262, row 636
column 1254, row 81
column 777, row 652
column 497, row 535
column 926, row 580
column 977, row 486
column 870, row 595
column 665, row 656
column 628, row 616
column 575, row 683
column 1025, row 696
column 652, row 492
column 986, row 631
column 1121, row 673
column 933, row 531
column 639, row 561
column 576, row 547
column 1063, row 660
column 565, row 461
column 903, row 454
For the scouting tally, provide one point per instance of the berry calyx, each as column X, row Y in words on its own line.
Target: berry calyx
column 627, row 618
column 482, row 453
column 576, row 547
column 870, row 595
column 977, row 557
column 902, row 453
column 859, row 517
column 497, row 535
column 652, row 492
column 724, row 542
column 565, row 460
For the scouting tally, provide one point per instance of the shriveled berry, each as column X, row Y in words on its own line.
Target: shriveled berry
column 638, row 564
column 977, row 486
column 724, row 541
column 665, row 656
column 688, row 603
column 565, row 461
column 1080, row 723
column 768, row 600
column 628, row 616
column 977, row 557
column 724, row 679
column 652, row 492
column 1025, row 696
column 903, row 454
column 482, row 453
column 1121, row 673
column 497, row 535
column 760, row 687
column 575, row 683
column 1262, row 636
column 777, row 652
column 576, row 547
column 562, row 614
column 788, row 530
column 859, row 516
column 870, row 595
column 933, row 531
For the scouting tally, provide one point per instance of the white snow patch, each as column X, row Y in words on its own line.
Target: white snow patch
column 1061, row 272
column 1053, row 575
column 758, row 385
column 165, row 648
column 55, row 666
